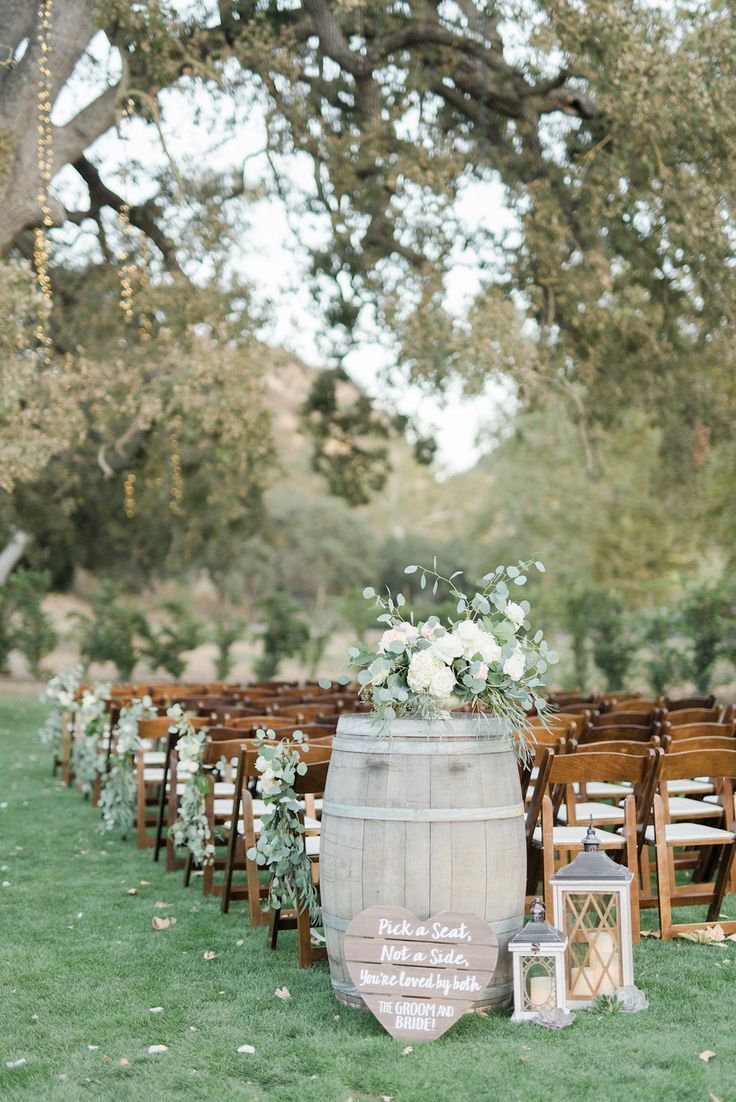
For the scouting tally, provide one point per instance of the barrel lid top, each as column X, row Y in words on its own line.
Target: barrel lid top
column 456, row 725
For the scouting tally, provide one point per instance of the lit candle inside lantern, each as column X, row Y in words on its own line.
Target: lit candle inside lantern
column 540, row 989
column 604, row 962
column 583, row 983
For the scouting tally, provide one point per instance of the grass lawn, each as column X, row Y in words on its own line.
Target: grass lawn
column 81, row 966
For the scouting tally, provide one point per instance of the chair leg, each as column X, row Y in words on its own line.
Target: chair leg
column 664, row 864
column 188, row 869
column 273, row 928
column 631, row 861
column 724, row 875
column 303, row 930
column 548, row 853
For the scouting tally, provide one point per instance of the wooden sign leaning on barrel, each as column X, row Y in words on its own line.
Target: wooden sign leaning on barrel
column 419, row 976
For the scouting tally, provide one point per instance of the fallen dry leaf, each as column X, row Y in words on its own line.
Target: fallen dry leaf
column 123, row 1062
column 132, row 891
column 161, row 905
column 15, row 1063
column 282, row 993
column 155, row 1010
column 708, row 935
column 209, row 955
column 248, row 1049
column 144, row 883
column 240, row 941
column 154, row 1049
column 160, row 923
column 407, row 1051
column 192, row 1029
column 706, row 1056
column 650, row 933
column 93, row 1048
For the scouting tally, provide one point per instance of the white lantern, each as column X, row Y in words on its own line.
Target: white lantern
column 592, row 906
column 538, row 952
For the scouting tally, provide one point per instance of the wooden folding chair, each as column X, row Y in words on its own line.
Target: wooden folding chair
column 668, row 836
column 676, row 705
column 640, row 770
column 312, row 783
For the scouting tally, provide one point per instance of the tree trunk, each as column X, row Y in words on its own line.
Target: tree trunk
column 12, row 553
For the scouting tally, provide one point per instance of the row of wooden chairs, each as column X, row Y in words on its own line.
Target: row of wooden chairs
column 639, row 791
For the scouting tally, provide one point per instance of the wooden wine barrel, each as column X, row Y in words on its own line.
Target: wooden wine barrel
column 428, row 816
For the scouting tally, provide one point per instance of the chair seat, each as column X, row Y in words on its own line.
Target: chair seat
column 604, row 790
column 682, row 807
column 311, row 845
column 690, row 834
column 153, row 775
column 154, row 757
column 602, row 813
column 571, row 837
column 309, row 823
column 693, row 787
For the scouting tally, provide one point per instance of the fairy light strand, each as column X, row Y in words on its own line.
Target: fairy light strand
column 44, row 149
column 129, row 495
column 176, row 492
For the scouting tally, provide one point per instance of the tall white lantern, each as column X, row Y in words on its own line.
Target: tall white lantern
column 592, row 907
column 538, row 954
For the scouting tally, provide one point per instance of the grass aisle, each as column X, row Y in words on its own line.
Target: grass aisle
column 82, row 966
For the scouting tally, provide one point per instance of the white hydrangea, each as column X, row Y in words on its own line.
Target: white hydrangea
column 423, row 666
column 514, row 665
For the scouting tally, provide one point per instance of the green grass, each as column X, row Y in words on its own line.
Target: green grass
column 80, row 965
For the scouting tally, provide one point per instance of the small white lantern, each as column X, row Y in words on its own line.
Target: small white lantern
column 592, row 906
column 538, row 952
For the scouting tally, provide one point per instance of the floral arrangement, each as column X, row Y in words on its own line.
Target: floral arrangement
column 191, row 828
column 117, row 801
column 280, row 847
column 61, row 696
column 87, row 762
column 488, row 660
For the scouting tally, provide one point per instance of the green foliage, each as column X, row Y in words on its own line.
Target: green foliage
column 661, row 655
column 166, row 643
column 32, row 632
column 611, row 641
column 226, row 632
column 112, row 632
column 706, row 613
column 6, row 633
column 577, row 621
column 284, row 634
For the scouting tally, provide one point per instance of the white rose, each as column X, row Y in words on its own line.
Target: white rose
column 469, row 632
column 422, row 668
column 448, row 648
column 482, row 673
column 515, row 613
column 402, row 633
column 514, row 665
column 268, row 782
column 442, row 683
column 488, row 648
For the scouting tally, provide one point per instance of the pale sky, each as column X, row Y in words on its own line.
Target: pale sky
column 269, row 253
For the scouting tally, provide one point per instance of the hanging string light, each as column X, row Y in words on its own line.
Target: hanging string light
column 44, row 148
column 129, row 495
column 176, row 492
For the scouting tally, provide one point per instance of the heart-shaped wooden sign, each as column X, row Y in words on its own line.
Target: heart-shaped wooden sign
column 419, row 976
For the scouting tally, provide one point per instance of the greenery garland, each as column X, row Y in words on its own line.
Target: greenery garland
column 60, row 694
column 280, row 847
column 191, row 827
column 87, row 762
column 117, row 801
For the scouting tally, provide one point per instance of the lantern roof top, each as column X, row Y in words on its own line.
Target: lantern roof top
column 537, row 930
column 592, row 864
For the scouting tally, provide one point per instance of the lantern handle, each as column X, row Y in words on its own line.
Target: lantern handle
column 591, row 842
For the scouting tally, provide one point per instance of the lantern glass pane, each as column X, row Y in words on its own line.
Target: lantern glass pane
column 594, row 959
column 538, row 983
